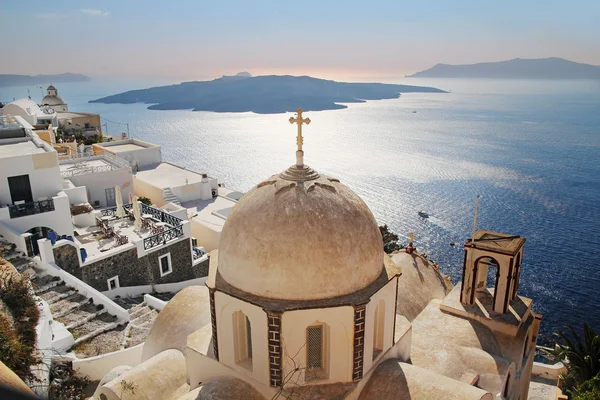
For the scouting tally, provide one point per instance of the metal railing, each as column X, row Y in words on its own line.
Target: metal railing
column 79, row 167
column 31, row 208
column 112, row 211
column 161, row 215
column 163, row 237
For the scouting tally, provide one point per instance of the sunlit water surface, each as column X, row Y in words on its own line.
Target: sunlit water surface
column 530, row 148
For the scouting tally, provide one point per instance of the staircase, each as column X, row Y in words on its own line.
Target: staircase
column 95, row 330
column 16, row 257
column 169, row 197
column 142, row 318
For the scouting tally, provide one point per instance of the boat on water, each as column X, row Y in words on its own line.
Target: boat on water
column 414, row 111
column 423, row 214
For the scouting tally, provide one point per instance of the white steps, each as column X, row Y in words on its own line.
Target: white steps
column 169, row 197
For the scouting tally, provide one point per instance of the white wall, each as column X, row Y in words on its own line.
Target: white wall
column 340, row 322
column 189, row 192
column 58, row 220
column 388, row 295
column 95, row 368
column 97, row 183
column 133, row 291
column 141, row 157
column 45, row 182
column 11, row 234
column 76, row 194
column 206, row 237
column 154, row 303
column 225, row 306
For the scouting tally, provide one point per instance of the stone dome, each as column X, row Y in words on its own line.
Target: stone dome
column 300, row 236
column 53, row 100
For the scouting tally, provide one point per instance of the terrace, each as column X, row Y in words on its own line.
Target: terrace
column 71, row 166
column 111, row 232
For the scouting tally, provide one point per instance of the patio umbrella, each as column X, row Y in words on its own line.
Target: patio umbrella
column 120, row 213
column 137, row 214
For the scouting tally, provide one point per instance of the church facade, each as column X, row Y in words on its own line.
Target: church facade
column 302, row 302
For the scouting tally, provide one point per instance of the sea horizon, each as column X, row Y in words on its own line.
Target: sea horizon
column 530, row 148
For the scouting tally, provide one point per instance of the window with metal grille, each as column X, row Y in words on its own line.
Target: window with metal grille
column 314, row 347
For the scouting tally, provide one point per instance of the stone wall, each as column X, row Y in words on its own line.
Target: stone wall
column 134, row 271
column 201, row 270
column 66, row 257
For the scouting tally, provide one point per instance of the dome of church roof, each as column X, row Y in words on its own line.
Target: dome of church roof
column 300, row 236
column 52, row 100
column 51, row 87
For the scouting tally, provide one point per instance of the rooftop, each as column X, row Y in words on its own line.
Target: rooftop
column 212, row 213
column 166, row 175
column 91, row 165
column 497, row 242
column 10, row 128
column 19, row 149
column 71, row 114
column 98, row 243
column 126, row 145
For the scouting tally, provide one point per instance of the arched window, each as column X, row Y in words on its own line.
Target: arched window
column 242, row 340
column 379, row 327
column 316, row 352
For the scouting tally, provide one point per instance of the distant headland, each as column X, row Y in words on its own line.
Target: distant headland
column 268, row 94
column 26, row 80
column 518, row 68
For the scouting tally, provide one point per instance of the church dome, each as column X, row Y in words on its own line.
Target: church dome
column 50, row 100
column 300, row 236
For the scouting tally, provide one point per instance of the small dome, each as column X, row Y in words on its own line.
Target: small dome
column 53, row 100
column 51, row 87
column 300, row 236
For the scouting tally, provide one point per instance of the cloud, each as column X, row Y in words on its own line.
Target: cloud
column 95, row 13
column 50, row 15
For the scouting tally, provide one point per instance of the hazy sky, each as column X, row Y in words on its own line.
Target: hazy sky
column 193, row 39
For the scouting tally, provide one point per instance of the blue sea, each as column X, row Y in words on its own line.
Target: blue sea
column 531, row 149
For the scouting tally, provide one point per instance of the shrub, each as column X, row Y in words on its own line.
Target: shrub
column 145, row 201
column 65, row 385
column 581, row 356
column 18, row 339
column 588, row 390
column 390, row 239
column 81, row 209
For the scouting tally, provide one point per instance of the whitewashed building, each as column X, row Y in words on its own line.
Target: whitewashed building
column 31, row 112
column 32, row 200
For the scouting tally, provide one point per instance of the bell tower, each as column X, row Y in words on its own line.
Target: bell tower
column 491, row 256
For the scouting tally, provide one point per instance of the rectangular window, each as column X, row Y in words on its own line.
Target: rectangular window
column 165, row 264
column 314, row 346
column 113, row 283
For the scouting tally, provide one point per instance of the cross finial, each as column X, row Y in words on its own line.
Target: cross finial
column 411, row 236
column 299, row 139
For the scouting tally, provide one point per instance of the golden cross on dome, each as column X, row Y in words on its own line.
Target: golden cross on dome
column 299, row 139
column 411, row 236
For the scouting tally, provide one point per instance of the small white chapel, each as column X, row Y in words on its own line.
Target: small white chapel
column 301, row 302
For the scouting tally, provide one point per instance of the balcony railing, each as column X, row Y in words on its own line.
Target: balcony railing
column 32, row 208
column 111, row 211
column 161, row 215
column 163, row 237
